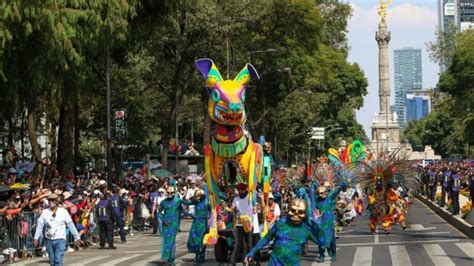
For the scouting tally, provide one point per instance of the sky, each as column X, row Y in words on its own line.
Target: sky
column 412, row 23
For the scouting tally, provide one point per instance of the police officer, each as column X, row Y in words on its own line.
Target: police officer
column 432, row 184
column 118, row 210
column 455, row 188
column 446, row 175
column 106, row 222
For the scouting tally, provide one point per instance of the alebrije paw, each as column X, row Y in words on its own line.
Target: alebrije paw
column 210, row 239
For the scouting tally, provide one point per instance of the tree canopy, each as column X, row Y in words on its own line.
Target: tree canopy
column 52, row 72
column 449, row 128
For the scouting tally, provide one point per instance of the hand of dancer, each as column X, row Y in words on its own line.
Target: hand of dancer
column 247, row 260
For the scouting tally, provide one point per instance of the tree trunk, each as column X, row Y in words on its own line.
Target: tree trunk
column 31, row 127
column 206, row 135
column 77, row 131
column 11, row 132
column 165, row 142
column 53, row 140
column 207, row 130
column 66, row 127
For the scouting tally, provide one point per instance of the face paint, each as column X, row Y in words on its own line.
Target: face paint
column 297, row 211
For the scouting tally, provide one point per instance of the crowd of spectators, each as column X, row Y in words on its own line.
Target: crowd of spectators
column 24, row 195
column 443, row 182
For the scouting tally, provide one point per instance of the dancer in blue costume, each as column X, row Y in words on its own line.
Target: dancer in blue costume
column 199, row 226
column 325, row 202
column 169, row 212
column 289, row 234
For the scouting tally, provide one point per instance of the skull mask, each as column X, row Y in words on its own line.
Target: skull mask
column 170, row 191
column 199, row 194
column 322, row 192
column 297, row 210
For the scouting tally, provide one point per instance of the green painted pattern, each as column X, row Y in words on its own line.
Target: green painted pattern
column 229, row 149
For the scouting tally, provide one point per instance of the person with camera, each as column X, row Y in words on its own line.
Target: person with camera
column 55, row 219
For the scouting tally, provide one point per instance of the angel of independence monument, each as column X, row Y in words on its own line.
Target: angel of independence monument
column 385, row 130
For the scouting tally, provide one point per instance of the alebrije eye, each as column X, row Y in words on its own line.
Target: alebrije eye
column 216, row 97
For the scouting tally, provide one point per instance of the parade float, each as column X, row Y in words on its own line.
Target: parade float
column 231, row 146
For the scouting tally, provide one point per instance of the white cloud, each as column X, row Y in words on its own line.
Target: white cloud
column 410, row 24
column 403, row 15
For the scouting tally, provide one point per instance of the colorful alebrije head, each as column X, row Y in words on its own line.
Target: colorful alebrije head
column 354, row 152
column 227, row 97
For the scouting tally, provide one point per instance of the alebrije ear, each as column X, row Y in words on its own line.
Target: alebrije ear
column 246, row 74
column 209, row 71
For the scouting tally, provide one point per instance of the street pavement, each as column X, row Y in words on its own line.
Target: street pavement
column 427, row 241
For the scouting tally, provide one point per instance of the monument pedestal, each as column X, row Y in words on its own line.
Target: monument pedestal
column 385, row 134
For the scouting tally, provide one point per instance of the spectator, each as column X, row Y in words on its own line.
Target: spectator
column 55, row 219
column 273, row 211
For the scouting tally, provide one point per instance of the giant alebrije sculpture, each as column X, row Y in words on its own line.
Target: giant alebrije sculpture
column 229, row 143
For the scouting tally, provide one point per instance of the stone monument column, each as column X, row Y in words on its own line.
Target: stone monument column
column 385, row 131
column 383, row 38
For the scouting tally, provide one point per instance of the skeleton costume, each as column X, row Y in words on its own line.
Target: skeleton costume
column 169, row 212
column 381, row 176
column 324, row 201
column 200, row 225
column 289, row 234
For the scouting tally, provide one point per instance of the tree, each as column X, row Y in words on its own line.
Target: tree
column 49, row 47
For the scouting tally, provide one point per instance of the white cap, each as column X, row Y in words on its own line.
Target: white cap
column 102, row 183
column 161, row 190
column 270, row 196
column 96, row 192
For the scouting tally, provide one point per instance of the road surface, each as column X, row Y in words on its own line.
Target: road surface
column 427, row 241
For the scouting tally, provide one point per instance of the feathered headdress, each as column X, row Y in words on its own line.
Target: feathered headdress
column 391, row 169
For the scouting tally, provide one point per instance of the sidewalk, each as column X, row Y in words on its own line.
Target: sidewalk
column 454, row 220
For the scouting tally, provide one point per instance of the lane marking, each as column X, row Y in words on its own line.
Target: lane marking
column 119, row 260
column 363, row 256
column 399, row 256
column 399, row 243
column 327, row 260
column 90, row 260
column 147, row 260
column 467, row 248
column 416, row 227
column 398, row 234
column 460, row 234
column 376, row 237
column 437, row 255
column 345, row 231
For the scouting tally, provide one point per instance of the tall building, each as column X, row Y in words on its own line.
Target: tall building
column 458, row 12
column 418, row 104
column 408, row 77
column 465, row 12
column 446, row 13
